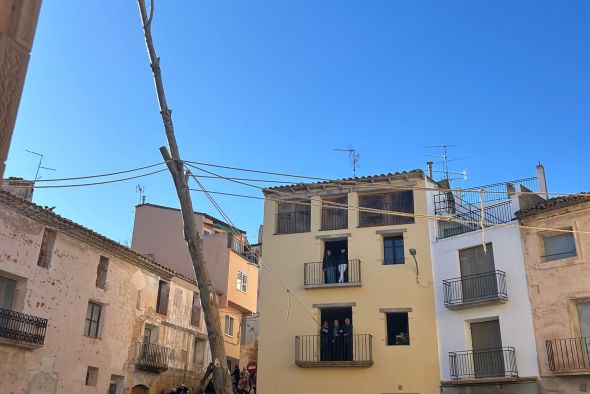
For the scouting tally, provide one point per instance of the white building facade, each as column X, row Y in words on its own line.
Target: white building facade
column 484, row 319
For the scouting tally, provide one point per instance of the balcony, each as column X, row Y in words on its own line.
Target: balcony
column 475, row 290
column 371, row 219
column 293, row 222
column 152, row 357
column 315, row 351
column 314, row 275
column 569, row 356
column 22, row 330
column 334, row 219
column 482, row 364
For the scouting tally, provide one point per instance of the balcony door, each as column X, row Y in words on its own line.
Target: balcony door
column 583, row 309
column 478, row 279
column 336, row 348
column 486, row 340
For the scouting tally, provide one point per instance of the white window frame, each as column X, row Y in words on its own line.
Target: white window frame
column 242, row 282
column 228, row 329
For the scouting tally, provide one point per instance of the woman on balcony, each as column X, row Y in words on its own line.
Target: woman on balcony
column 342, row 265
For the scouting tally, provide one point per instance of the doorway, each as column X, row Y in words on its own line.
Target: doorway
column 488, row 356
column 139, row 389
column 336, row 347
column 338, row 250
column 475, row 264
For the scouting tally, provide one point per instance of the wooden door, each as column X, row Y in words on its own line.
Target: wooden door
column 488, row 357
column 478, row 279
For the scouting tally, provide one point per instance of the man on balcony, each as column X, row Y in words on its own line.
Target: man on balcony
column 330, row 267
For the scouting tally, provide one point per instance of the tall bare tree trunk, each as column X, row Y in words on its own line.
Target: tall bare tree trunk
column 221, row 374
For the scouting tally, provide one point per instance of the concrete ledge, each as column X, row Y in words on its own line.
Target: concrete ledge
column 329, row 285
column 484, row 381
column 477, row 303
column 23, row 344
column 338, row 364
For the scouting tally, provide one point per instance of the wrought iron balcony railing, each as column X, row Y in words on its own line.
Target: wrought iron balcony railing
column 293, row 222
column 472, row 290
column 316, row 274
column 568, row 354
column 368, row 219
column 321, row 351
column 334, row 219
column 152, row 357
column 22, row 328
column 484, row 363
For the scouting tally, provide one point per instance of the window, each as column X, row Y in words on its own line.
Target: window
column 559, row 246
column 199, row 351
column 397, row 328
column 395, row 201
column 163, row 294
column 7, row 290
column 393, row 250
column 242, row 283
column 91, row 376
column 196, row 311
column 92, row 319
column 332, row 217
column 583, row 309
column 101, row 272
column 293, row 217
column 229, row 326
column 46, row 251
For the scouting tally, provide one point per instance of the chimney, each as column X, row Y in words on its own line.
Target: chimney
column 542, row 181
column 19, row 187
column 429, row 164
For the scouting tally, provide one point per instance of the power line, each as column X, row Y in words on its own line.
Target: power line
column 272, row 274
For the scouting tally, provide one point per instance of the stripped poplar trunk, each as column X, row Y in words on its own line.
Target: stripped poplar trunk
column 221, row 374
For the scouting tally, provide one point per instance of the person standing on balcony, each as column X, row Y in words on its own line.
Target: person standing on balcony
column 325, row 342
column 347, row 340
column 329, row 267
column 336, row 342
column 342, row 264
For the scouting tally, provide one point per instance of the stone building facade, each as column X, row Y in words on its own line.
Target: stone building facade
column 80, row 313
column 18, row 22
column 558, row 272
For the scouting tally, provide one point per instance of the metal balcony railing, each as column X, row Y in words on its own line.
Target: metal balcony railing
column 467, row 218
column 321, row 351
column 568, row 354
column 22, row 328
column 334, row 219
column 484, row 363
column 315, row 274
column 484, row 288
column 152, row 357
column 293, row 222
column 368, row 219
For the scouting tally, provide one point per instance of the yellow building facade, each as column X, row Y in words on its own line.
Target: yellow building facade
column 385, row 291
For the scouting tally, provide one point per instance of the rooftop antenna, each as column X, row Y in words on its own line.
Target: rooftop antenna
column 353, row 156
column 39, row 166
column 445, row 162
column 140, row 189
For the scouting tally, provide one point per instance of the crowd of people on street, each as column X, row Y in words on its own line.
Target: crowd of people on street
column 335, row 265
column 336, row 341
column 244, row 382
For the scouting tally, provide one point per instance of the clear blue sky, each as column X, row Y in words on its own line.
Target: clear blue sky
column 278, row 85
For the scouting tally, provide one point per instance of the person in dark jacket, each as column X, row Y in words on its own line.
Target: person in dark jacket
column 336, row 351
column 236, row 376
column 347, row 340
column 325, row 342
column 329, row 267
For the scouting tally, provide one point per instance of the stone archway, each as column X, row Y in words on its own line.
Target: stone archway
column 139, row 389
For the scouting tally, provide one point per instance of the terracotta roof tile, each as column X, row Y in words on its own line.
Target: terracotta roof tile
column 554, row 203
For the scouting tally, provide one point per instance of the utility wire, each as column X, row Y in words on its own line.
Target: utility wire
column 272, row 274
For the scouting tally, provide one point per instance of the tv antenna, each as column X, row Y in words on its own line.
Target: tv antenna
column 39, row 166
column 445, row 161
column 140, row 189
column 353, row 156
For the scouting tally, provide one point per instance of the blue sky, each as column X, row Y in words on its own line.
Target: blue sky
column 278, row 85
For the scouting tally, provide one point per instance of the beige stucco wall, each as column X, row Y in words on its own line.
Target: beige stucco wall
column 404, row 369
column 61, row 294
column 555, row 286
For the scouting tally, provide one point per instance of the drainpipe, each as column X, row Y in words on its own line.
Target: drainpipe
column 542, row 181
